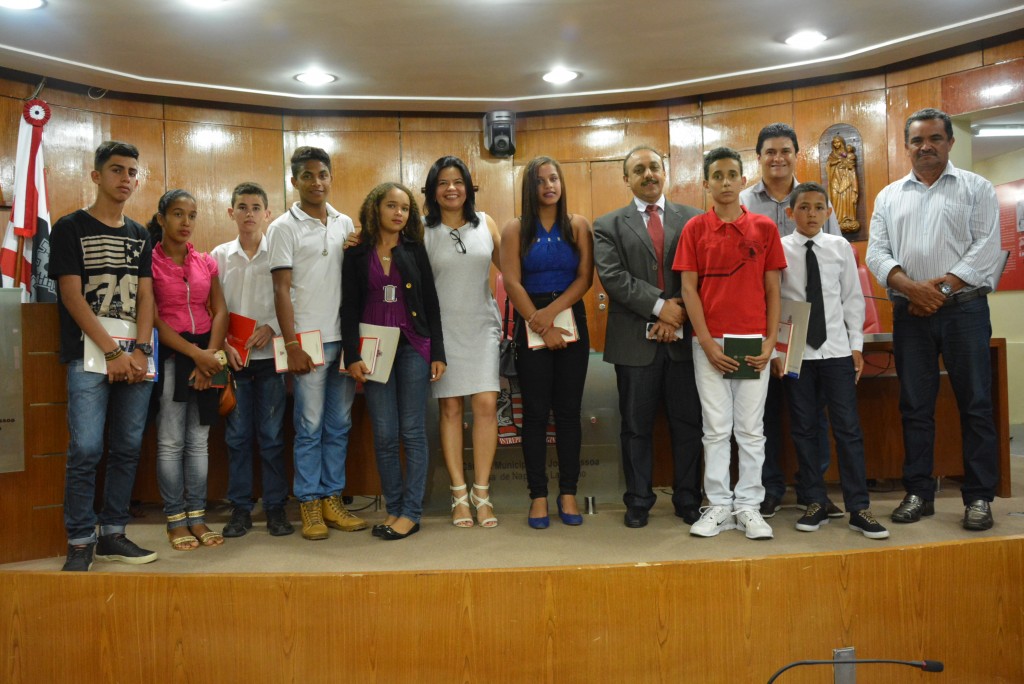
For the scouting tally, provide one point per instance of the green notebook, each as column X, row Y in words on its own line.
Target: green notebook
column 739, row 347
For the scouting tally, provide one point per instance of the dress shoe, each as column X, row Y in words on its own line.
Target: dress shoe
column 635, row 517
column 770, row 506
column 389, row 534
column 568, row 518
column 978, row 516
column 689, row 514
column 377, row 529
column 540, row 523
column 912, row 508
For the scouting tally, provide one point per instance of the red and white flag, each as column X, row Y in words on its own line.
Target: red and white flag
column 30, row 213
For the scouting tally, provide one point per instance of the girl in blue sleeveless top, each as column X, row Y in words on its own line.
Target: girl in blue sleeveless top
column 547, row 264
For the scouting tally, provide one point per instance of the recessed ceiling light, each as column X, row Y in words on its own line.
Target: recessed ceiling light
column 806, row 39
column 206, row 4
column 560, row 75
column 315, row 78
column 21, row 4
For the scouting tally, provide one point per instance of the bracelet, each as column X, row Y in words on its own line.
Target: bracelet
column 111, row 355
column 288, row 344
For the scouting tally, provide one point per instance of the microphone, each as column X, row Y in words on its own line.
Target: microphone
column 924, row 665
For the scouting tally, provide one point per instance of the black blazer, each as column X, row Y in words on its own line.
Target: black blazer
column 420, row 295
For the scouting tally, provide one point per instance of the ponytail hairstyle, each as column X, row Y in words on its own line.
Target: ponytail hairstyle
column 156, row 231
column 529, row 217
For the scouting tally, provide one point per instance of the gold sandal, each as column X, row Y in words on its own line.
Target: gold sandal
column 185, row 542
column 208, row 538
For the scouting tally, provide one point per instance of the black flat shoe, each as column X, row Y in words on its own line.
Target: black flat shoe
column 377, row 529
column 389, row 534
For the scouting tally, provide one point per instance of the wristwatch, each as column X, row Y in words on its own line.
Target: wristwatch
column 144, row 347
column 946, row 289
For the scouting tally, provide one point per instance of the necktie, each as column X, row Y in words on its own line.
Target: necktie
column 816, row 323
column 657, row 232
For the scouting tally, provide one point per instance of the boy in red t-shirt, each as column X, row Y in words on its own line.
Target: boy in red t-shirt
column 730, row 261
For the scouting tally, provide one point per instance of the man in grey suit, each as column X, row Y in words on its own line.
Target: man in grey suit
column 633, row 251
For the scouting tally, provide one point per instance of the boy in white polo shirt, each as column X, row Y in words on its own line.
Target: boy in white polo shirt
column 305, row 262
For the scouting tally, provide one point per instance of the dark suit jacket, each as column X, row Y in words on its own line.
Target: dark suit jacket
column 418, row 291
column 625, row 260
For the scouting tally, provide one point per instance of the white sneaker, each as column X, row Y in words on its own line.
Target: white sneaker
column 751, row 521
column 713, row 519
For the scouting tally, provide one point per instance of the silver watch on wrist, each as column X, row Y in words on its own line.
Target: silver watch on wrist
column 946, row 289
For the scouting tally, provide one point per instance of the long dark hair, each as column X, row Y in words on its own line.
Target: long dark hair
column 529, row 217
column 369, row 215
column 430, row 204
column 156, row 231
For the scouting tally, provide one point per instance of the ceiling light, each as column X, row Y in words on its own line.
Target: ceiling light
column 560, row 75
column 21, row 4
column 805, row 40
column 206, row 4
column 999, row 131
column 315, row 78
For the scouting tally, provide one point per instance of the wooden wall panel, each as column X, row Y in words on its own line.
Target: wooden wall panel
column 738, row 128
column 1004, row 52
column 360, row 160
column 978, row 89
column 492, row 175
column 716, row 104
column 901, row 102
column 933, row 69
column 323, row 123
column 710, row 622
column 210, row 160
column 686, row 162
column 590, row 142
column 839, row 87
column 596, row 117
column 442, row 122
column 684, row 108
column 200, row 113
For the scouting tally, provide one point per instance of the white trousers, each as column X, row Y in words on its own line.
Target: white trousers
column 731, row 407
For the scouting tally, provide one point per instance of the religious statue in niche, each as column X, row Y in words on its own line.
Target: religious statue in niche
column 843, row 189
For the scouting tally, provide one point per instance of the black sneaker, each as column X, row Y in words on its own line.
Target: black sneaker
column 865, row 523
column 978, row 516
column 117, row 547
column 770, row 506
column 240, row 523
column 814, row 517
column 277, row 523
column 79, row 558
column 831, row 509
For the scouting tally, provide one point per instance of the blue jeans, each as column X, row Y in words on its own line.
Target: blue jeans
column 833, row 380
column 322, row 418
column 90, row 400
column 771, row 474
column 961, row 333
column 182, row 458
column 259, row 415
column 398, row 412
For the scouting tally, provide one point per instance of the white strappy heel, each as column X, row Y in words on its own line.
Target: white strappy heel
column 485, row 501
column 460, row 501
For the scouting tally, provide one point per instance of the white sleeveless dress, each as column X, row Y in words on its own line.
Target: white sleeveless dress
column 469, row 315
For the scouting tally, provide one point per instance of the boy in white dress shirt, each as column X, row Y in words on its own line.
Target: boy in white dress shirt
column 821, row 270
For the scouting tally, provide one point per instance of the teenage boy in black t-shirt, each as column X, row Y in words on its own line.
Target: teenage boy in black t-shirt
column 101, row 261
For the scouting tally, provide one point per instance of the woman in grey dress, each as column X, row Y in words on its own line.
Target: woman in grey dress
column 462, row 243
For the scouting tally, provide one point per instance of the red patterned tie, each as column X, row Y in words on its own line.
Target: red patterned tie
column 657, row 232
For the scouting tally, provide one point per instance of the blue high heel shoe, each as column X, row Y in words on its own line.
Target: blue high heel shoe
column 539, row 523
column 568, row 518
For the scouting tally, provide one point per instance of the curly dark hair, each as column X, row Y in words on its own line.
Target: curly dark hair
column 369, row 214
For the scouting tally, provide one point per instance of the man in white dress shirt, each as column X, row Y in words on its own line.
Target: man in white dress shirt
column 935, row 245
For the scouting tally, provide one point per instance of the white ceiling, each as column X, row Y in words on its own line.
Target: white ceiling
column 473, row 55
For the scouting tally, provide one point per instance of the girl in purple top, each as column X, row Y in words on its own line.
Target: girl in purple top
column 192, row 319
column 387, row 280
column 547, row 261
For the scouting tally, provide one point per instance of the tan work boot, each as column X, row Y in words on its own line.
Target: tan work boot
column 338, row 517
column 313, row 526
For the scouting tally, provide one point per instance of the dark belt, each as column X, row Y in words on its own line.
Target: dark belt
column 961, row 297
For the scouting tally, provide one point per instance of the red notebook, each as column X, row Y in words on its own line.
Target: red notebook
column 240, row 329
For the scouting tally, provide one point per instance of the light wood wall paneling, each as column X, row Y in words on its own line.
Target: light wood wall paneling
column 1004, row 52
column 686, row 161
column 842, row 86
column 933, row 69
column 979, row 89
column 901, row 102
column 709, row 622
column 325, row 123
column 209, row 160
column 360, row 160
column 442, row 123
column 727, row 102
column 589, row 143
column 595, row 117
column 492, row 175
column 685, row 108
column 223, row 115
column 738, row 128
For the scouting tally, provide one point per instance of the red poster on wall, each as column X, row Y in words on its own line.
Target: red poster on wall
column 1011, row 228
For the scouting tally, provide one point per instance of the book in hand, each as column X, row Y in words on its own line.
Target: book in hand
column 310, row 342
column 564, row 320
column 378, row 345
column 793, row 335
column 369, row 350
column 124, row 333
column 240, row 329
column 739, row 347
